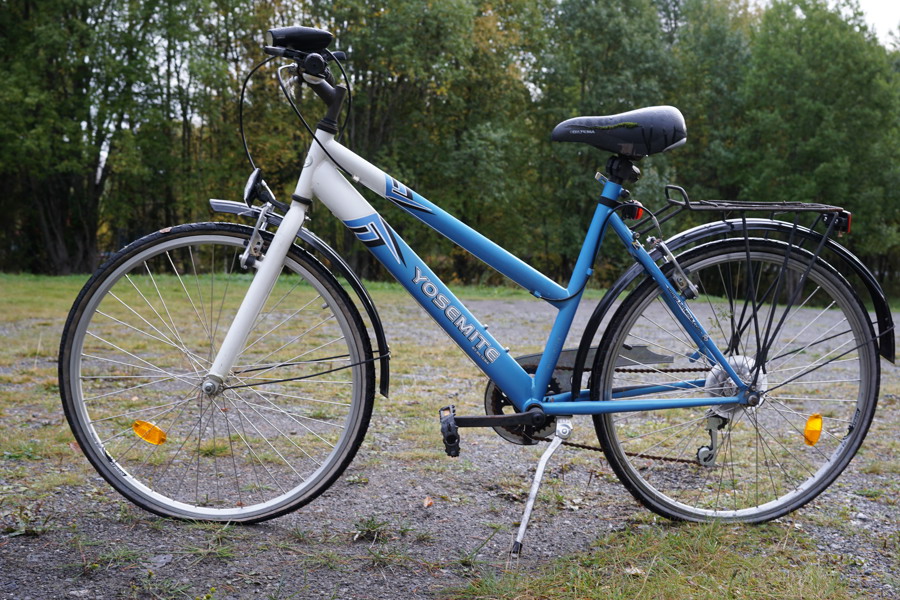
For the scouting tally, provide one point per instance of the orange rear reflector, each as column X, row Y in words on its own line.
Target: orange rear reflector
column 813, row 429
column 149, row 432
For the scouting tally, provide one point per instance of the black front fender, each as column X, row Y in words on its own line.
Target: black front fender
column 842, row 259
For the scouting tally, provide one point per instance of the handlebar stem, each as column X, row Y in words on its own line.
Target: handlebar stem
column 333, row 96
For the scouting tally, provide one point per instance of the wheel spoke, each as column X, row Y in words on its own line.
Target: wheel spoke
column 143, row 341
column 821, row 361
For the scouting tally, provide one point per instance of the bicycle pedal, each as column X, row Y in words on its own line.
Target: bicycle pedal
column 449, row 430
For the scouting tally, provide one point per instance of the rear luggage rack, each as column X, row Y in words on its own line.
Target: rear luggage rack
column 675, row 205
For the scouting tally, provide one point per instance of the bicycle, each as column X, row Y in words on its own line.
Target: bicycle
column 217, row 371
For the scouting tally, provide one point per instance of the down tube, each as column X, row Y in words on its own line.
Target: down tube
column 444, row 307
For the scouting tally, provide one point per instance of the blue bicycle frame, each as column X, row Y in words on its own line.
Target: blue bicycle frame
column 320, row 177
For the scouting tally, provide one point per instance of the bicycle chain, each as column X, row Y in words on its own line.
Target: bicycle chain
column 599, row 449
column 684, row 370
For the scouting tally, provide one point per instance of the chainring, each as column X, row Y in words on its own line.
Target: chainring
column 496, row 403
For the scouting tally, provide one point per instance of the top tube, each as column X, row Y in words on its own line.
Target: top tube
column 459, row 233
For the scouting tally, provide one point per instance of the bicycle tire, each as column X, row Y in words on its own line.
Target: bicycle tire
column 822, row 360
column 136, row 346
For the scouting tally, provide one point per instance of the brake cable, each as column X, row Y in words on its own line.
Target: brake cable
column 241, row 109
column 287, row 95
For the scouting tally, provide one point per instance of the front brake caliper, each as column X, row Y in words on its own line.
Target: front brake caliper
column 253, row 251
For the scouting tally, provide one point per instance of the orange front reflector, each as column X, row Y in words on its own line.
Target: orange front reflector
column 149, row 432
column 813, row 429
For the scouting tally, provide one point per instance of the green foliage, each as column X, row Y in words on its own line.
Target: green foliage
column 73, row 76
column 820, row 106
column 605, row 58
column 122, row 118
column 712, row 55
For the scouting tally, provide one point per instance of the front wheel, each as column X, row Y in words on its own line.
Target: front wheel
column 804, row 338
column 139, row 341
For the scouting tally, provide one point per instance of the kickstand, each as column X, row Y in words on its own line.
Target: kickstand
column 563, row 431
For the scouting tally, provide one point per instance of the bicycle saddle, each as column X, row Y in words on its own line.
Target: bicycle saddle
column 633, row 134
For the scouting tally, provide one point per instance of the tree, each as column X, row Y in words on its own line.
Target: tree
column 74, row 71
column 821, row 102
column 712, row 54
column 116, row 115
column 120, row 118
column 437, row 88
column 606, row 58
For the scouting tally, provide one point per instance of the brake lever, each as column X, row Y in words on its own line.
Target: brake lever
column 298, row 75
column 296, row 82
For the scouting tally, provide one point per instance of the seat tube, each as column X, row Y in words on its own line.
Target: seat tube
column 611, row 190
column 567, row 308
column 268, row 269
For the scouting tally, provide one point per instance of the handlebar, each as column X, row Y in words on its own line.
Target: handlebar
column 308, row 48
column 309, row 63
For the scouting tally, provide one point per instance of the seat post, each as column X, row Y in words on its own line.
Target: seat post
column 620, row 169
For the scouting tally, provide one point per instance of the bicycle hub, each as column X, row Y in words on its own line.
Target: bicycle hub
column 210, row 386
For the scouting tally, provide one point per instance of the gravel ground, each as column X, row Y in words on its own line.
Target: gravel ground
column 405, row 521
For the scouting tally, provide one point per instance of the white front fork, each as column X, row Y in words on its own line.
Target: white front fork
column 320, row 176
column 268, row 269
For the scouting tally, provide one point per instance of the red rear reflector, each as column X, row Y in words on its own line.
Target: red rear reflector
column 632, row 210
column 841, row 220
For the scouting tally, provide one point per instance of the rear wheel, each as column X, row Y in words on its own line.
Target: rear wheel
column 810, row 346
column 139, row 341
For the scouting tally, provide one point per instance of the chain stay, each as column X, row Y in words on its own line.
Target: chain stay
column 684, row 370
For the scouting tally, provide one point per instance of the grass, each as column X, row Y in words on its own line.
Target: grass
column 19, row 518
column 371, row 529
column 220, row 543
column 301, row 535
column 119, row 557
column 690, row 561
column 324, row 559
column 469, row 559
column 151, row 586
column 56, row 296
